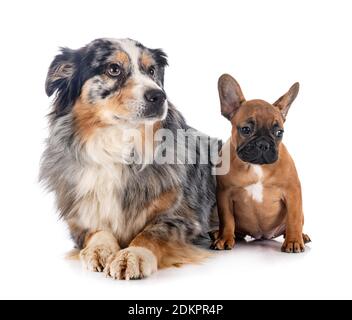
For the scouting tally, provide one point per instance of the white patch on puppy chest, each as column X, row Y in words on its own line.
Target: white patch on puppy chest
column 255, row 190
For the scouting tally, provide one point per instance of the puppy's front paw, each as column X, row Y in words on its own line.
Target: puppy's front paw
column 94, row 258
column 132, row 263
column 293, row 245
column 223, row 243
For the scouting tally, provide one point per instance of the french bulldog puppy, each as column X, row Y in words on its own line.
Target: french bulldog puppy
column 261, row 195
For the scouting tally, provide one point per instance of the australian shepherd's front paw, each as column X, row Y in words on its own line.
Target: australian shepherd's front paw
column 132, row 263
column 95, row 258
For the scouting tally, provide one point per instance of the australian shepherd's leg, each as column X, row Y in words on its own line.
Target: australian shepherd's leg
column 134, row 262
column 161, row 244
column 98, row 247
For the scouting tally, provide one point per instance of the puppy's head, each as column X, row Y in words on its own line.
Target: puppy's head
column 257, row 126
column 109, row 82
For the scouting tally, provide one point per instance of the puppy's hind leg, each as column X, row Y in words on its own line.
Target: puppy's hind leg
column 306, row 238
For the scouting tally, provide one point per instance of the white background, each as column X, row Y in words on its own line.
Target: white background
column 266, row 45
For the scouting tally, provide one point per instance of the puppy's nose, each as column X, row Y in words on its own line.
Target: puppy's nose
column 155, row 96
column 263, row 145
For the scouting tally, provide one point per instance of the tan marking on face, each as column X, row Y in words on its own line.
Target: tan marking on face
column 89, row 117
column 118, row 103
column 123, row 59
column 146, row 60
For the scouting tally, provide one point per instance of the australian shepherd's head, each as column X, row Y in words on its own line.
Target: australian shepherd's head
column 108, row 82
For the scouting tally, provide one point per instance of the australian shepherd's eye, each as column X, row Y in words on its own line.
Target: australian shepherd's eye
column 114, row 70
column 151, row 71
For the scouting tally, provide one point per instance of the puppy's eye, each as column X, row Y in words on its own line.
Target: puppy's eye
column 151, row 70
column 246, row 131
column 279, row 133
column 114, row 70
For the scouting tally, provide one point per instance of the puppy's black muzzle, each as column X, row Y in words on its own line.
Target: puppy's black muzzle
column 154, row 99
column 261, row 150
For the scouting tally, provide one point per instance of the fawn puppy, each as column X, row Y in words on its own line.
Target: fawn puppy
column 260, row 196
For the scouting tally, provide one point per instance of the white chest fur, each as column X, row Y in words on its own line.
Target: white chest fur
column 100, row 186
column 99, row 182
column 255, row 190
column 100, row 204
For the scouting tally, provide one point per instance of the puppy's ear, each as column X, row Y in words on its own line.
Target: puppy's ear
column 231, row 96
column 284, row 102
column 61, row 79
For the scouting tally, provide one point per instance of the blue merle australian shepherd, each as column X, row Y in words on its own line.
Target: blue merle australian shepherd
column 127, row 218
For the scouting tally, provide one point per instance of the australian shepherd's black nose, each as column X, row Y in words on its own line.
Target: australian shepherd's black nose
column 127, row 218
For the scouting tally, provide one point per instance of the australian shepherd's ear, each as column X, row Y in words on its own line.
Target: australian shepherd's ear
column 63, row 79
column 160, row 58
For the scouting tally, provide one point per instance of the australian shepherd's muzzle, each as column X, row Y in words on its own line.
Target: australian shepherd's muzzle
column 128, row 219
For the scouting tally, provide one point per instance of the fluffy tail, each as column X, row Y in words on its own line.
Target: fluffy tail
column 72, row 254
column 179, row 254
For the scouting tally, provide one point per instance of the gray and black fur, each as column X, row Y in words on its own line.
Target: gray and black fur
column 66, row 159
